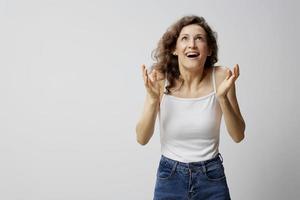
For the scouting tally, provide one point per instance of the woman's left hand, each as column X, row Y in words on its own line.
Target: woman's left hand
column 228, row 81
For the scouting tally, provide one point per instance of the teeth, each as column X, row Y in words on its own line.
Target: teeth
column 192, row 54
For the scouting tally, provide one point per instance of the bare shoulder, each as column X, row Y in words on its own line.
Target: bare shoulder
column 221, row 70
column 220, row 73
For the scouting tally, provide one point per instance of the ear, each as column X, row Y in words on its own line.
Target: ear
column 174, row 53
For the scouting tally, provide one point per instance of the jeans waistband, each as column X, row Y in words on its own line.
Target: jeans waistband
column 190, row 165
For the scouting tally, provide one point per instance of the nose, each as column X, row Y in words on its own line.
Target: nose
column 191, row 43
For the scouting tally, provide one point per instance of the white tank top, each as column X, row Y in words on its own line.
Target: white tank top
column 190, row 127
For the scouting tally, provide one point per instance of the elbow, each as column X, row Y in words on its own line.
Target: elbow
column 139, row 139
column 242, row 135
column 142, row 142
column 239, row 139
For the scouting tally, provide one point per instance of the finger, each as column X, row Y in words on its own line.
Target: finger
column 142, row 67
column 228, row 72
column 154, row 75
column 151, row 76
column 143, row 71
column 147, row 78
column 145, row 74
column 236, row 70
column 231, row 80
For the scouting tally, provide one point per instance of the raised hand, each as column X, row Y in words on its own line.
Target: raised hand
column 228, row 81
column 151, row 83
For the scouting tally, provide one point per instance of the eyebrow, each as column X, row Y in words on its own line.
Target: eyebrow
column 195, row 35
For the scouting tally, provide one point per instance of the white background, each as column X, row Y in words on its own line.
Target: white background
column 71, row 92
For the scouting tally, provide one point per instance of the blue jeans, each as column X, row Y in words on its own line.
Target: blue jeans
column 203, row 180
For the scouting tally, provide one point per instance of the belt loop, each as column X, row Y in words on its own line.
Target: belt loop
column 221, row 157
column 174, row 166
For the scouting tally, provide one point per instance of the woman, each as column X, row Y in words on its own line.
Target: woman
column 190, row 95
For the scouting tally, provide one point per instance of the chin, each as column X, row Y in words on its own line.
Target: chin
column 193, row 64
column 195, row 67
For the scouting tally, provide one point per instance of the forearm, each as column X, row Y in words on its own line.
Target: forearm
column 235, row 126
column 146, row 124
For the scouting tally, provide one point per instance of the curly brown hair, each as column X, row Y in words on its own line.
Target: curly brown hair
column 166, row 63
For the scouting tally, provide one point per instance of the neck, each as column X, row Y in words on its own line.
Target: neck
column 192, row 78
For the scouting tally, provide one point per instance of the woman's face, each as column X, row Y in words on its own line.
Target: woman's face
column 191, row 46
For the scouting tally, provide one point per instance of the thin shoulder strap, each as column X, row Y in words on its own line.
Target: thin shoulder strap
column 166, row 82
column 213, row 79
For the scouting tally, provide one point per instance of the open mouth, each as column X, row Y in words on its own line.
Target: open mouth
column 192, row 55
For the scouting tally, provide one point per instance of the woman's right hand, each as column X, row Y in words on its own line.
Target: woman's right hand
column 151, row 83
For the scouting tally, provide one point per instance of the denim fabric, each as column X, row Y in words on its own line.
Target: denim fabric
column 204, row 180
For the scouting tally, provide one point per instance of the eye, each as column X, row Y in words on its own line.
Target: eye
column 200, row 38
column 184, row 38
